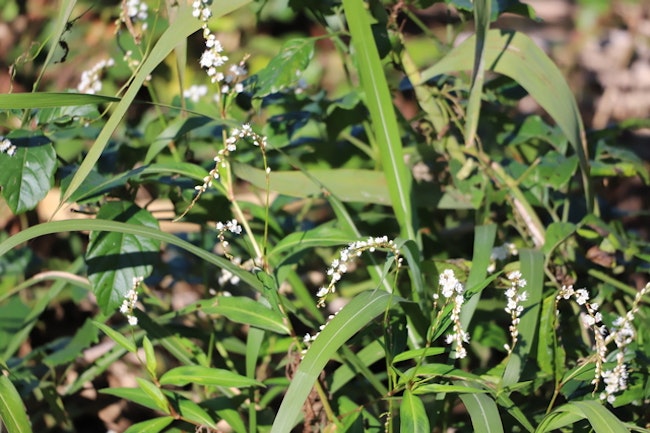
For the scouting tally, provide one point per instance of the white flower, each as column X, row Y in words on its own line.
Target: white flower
column 6, row 146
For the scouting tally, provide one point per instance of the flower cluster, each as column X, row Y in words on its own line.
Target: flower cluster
column 348, row 255
column 6, row 146
column 130, row 299
column 622, row 334
column 137, row 10
column 194, row 93
column 515, row 297
column 213, row 58
column 593, row 320
column 452, row 291
column 308, row 338
column 231, row 226
column 91, row 80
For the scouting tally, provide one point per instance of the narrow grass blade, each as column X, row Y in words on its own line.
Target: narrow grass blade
column 382, row 114
column 26, row 101
column 482, row 12
column 515, row 55
column 12, row 411
column 352, row 318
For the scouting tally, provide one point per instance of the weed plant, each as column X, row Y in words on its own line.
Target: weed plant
column 348, row 267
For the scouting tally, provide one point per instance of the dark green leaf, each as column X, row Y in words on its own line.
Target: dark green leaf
column 27, row 176
column 286, row 68
column 245, row 310
column 155, row 425
column 115, row 259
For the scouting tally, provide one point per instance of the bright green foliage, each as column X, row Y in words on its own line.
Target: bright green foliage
column 381, row 173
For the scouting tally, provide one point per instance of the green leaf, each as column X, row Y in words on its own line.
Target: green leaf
column 29, row 101
column 115, row 259
column 120, row 339
column 155, row 394
column 245, row 310
column 413, row 416
column 550, row 355
column 175, row 130
column 181, row 376
column 600, row 418
column 435, row 388
column 352, row 318
column 286, row 68
column 378, row 99
column 194, row 413
column 155, row 425
column 97, row 184
column 150, row 356
column 515, row 55
column 12, row 411
column 483, row 411
column 27, row 177
column 556, row 234
column 323, row 235
column 136, row 395
column 369, row 186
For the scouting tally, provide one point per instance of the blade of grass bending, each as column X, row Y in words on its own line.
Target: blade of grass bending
column 532, row 268
column 482, row 11
column 104, row 225
column 352, row 318
column 12, row 411
column 382, row 113
column 175, row 34
column 515, row 55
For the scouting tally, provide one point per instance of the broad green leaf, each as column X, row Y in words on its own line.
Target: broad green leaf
column 175, row 130
column 245, row 310
column 115, row 259
column 29, row 101
column 120, row 339
column 155, row 394
column 483, row 411
column 413, row 416
column 12, row 411
column 367, row 356
column 27, row 176
column 155, row 425
column 377, row 97
column 556, row 420
column 186, row 169
column 515, row 55
column 285, row 69
column 352, row 318
column 127, row 229
column 556, row 234
column 550, row 355
column 181, row 376
column 369, row 186
column 177, row 32
column 556, row 170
